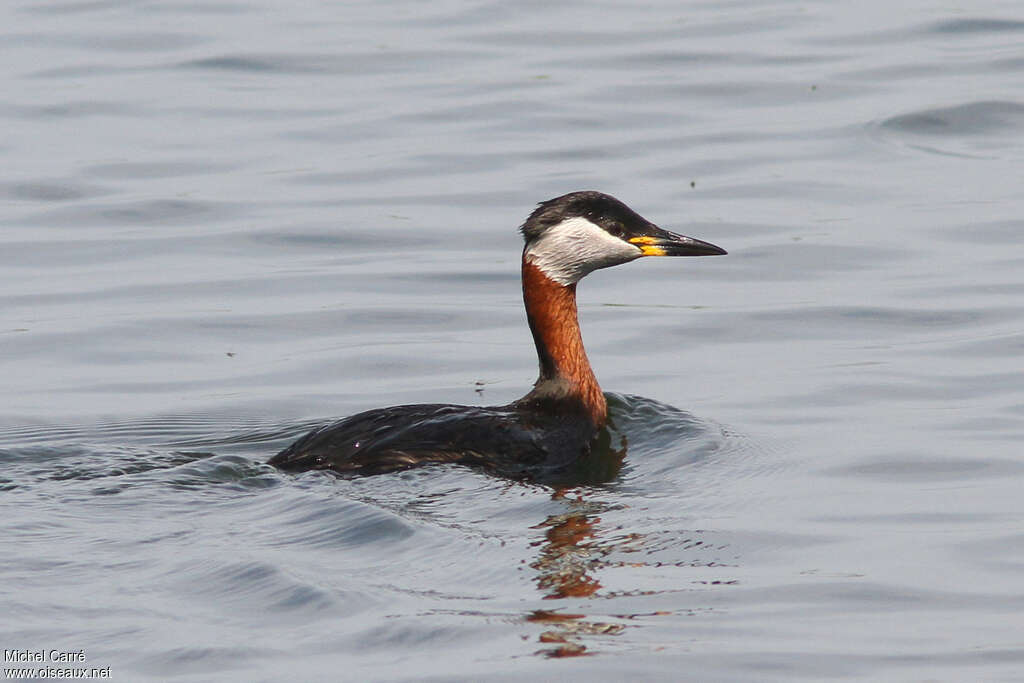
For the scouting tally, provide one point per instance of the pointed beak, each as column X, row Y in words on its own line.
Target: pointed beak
column 658, row 242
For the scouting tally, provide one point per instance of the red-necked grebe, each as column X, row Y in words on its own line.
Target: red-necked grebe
column 550, row 428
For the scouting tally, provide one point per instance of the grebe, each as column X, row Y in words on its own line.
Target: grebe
column 556, row 423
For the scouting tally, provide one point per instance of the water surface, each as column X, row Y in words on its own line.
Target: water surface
column 222, row 224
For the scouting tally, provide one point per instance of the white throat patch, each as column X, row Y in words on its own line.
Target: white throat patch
column 569, row 250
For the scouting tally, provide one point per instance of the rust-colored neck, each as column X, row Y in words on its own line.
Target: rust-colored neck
column 565, row 371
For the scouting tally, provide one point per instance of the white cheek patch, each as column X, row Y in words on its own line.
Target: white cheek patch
column 571, row 249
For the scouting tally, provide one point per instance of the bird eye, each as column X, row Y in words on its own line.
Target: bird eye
column 617, row 229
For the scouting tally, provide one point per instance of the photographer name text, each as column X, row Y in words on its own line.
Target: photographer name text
column 63, row 656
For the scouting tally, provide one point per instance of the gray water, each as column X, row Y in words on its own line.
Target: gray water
column 222, row 224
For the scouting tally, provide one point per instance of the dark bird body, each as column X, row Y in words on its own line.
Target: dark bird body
column 506, row 440
column 557, row 424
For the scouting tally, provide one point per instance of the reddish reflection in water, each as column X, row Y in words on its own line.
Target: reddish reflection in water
column 566, row 629
column 564, row 560
column 565, row 564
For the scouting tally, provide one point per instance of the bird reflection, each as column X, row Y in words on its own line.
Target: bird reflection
column 574, row 549
column 565, row 556
column 568, row 558
column 570, row 553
